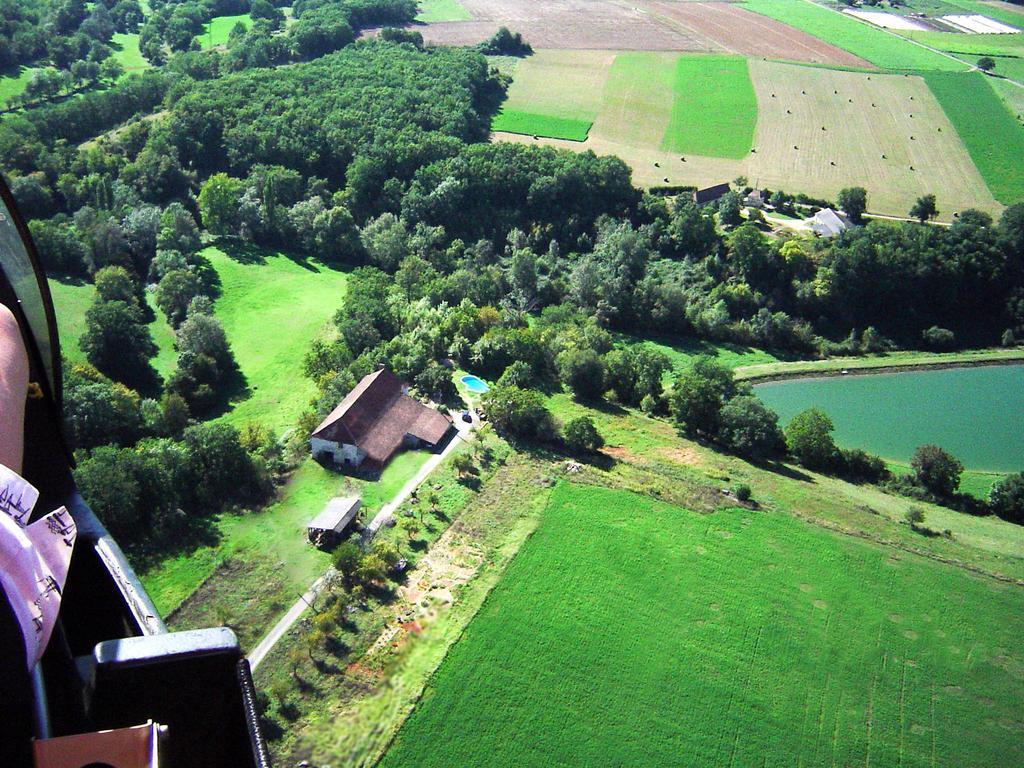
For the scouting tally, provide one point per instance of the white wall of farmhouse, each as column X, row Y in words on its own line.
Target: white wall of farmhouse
column 340, row 454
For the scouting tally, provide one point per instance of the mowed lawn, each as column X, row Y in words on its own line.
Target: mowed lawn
column 820, row 130
column 871, row 43
column 216, row 31
column 13, row 83
column 714, row 109
column 555, row 94
column 628, row 632
column 993, row 137
column 272, row 307
column 442, row 10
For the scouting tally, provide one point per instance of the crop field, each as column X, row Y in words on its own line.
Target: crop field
column 667, row 102
column 1012, row 96
column 442, row 10
column 272, row 307
column 629, row 632
column 974, row 45
column 571, row 24
column 823, row 130
column 216, row 31
column 791, row 149
column 714, row 109
column 556, row 93
column 880, row 48
column 992, row 135
column 737, row 30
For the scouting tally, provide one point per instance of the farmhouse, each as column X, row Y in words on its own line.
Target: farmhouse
column 710, row 194
column 375, row 420
column 828, row 223
column 326, row 528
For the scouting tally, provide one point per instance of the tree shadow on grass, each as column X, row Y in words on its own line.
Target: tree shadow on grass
column 245, row 252
column 778, row 468
column 193, row 534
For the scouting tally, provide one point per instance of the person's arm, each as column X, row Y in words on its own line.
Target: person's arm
column 13, row 390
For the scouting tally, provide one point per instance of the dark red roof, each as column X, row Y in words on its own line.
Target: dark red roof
column 377, row 415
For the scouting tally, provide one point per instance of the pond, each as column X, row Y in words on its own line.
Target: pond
column 977, row 414
column 475, row 384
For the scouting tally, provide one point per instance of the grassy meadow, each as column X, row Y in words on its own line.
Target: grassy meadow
column 216, row 31
column 442, row 10
column 272, row 307
column 714, row 110
column 871, row 43
column 257, row 563
column 13, row 82
column 126, row 51
column 732, row 638
column 993, row 137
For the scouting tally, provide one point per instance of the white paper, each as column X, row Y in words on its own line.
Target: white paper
column 34, row 560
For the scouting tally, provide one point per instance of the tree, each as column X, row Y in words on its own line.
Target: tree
column 925, row 208
column 116, row 284
column 582, row 370
column 462, row 463
column 346, row 560
column 219, row 202
column 371, row 568
column 581, row 436
column 854, row 201
column 118, row 343
column 809, row 439
column 100, row 412
column 729, row 208
column 220, row 470
column 936, row 470
column 410, row 525
column 519, row 412
column 1007, row 498
column 986, row 63
column 175, row 292
column 700, row 392
column 750, row 428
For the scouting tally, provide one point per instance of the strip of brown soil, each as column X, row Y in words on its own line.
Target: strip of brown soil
column 741, row 31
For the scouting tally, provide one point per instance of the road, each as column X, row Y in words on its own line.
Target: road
column 264, row 646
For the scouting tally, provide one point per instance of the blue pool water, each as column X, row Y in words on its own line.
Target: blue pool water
column 474, row 384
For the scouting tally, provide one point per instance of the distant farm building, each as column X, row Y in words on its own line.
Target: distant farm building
column 374, row 421
column 710, row 194
column 828, row 223
column 326, row 528
column 755, row 199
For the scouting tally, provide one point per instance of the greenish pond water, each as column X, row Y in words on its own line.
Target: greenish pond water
column 977, row 414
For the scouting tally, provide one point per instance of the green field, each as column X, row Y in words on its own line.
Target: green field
column 272, row 307
column 126, row 51
column 975, row 45
column 992, row 135
column 216, row 31
column 714, row 110
column 880, row 48
column 629, row 632
column 681, row 351
column 442, row 10
column 14, row 83
column 532, row 124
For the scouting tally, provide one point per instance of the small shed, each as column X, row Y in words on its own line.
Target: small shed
column 326, row 528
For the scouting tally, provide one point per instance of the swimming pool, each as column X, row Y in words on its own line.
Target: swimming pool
column 475, row 384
